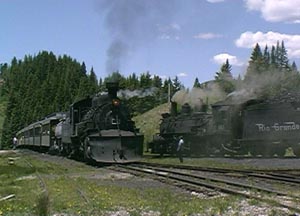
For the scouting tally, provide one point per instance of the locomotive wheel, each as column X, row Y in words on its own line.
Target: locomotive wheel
column 61, row 148
column 87, row 153
column 254, row 152
column 214, row 152
column 210, row 149
column 280, row 152
column 64, row 149
column 268, row 153
column 296, row 152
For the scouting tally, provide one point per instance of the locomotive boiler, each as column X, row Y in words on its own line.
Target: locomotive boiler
column 257, row 127
column 97, row 128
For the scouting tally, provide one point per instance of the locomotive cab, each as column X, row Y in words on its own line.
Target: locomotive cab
column 228, row 125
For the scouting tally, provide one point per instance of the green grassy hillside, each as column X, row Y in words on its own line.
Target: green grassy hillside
column 149, row 121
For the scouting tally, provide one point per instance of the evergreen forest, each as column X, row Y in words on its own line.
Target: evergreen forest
column 39, row 85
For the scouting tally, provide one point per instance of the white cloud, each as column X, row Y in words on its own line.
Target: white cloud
column 222, row 57
column 182, row 74
column 254, row 4
column 175, row 26
column 163, row 77
column 291, row 42
column 168, row 32
column 214, row 1
column 169, row 37
column 276, row 10
column 165, row 37
column 207, row 36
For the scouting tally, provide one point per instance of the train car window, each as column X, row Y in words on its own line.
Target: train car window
column 83, row 111
column 31, row 132
column 75, row 116
column 71, row 115
column 37, row 131
column 45, row 130
column 222, row 115
column 53, row 124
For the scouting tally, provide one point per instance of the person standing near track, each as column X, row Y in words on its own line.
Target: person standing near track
column 180, row 149
column 15, row 142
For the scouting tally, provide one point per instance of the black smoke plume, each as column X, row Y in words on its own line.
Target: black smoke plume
column 133, row 23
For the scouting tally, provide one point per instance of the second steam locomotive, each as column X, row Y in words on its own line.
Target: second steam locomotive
column 254, row 126
column 97, row 128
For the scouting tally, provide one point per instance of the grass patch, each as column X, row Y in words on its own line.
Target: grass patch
column 43, row 204
column 149, row 122
column 83, row 196
column 200, row 162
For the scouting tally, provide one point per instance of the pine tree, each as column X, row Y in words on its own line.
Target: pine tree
column 83, row 69
column 133, row 82
column 157, row 81
column 256, row 64
column 294, row 67
column 225, row 78
column 177, row 84
column 84, row 88
column 283, row 61
column 93, row 81
column 145, row 80
column 266, row 57
column 196, row 83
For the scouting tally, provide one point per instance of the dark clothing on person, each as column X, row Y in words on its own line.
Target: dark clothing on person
column 15, row 142
column 180, row 149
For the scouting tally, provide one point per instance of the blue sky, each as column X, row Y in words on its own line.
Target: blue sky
column 184, row 38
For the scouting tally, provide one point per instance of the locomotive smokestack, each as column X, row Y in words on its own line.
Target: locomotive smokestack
column 112, row 88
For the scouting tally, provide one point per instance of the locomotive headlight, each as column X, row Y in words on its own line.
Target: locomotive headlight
column 115, row 102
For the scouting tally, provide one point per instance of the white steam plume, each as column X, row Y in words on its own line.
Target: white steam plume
column 125, row 93
column 196, row 97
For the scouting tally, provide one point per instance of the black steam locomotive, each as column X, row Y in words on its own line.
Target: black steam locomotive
column 258, row 127
column 96, row 128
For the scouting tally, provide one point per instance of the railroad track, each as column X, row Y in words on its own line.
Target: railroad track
column 44, row 196
column 196, row 181
column 283, row 175
column 72, row 184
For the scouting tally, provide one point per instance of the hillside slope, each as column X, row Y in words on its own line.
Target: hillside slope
column 149, row 121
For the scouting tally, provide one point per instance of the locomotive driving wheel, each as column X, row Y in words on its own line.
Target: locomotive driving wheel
column 297, row 151
column 254, row 151
column 268, row 152
column 87, row 150
column 280, row 151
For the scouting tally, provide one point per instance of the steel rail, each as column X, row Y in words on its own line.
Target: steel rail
column 75, row 186
column 283, row 177
column 182, row 177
